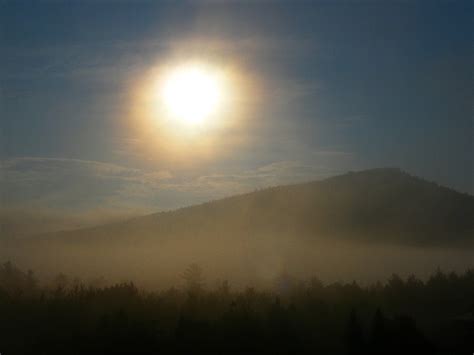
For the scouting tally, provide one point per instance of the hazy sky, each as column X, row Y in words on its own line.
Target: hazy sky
column 325, row 87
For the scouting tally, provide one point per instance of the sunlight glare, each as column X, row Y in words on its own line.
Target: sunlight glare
column 191, row 94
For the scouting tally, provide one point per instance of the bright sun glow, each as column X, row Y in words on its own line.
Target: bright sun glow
column 191, row 94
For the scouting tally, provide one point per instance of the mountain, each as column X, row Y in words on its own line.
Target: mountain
column 379, row 205
column 21, row 223
column 360, row 225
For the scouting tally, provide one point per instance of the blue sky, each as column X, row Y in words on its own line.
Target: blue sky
column 342, row 85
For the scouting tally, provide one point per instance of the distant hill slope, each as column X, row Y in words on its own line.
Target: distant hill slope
column 379, row 205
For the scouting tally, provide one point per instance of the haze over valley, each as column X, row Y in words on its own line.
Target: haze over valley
column 341, row 228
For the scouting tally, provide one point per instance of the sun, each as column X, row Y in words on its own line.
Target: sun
column 191, row 94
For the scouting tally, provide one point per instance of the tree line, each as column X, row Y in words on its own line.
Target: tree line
column 399, row 316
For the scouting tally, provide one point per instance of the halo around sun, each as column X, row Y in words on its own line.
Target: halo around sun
column 181, row 109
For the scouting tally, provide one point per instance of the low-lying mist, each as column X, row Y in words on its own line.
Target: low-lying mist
column 255, row 261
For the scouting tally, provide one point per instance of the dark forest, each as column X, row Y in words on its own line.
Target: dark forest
column 399, row 316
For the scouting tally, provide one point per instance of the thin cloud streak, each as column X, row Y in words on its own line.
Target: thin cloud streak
column 39, row 182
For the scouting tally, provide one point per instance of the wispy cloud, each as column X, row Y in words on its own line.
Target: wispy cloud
column 81, row 185
column 68, row 183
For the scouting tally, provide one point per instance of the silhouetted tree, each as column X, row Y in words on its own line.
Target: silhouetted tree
column 193, row 278
column 355, row 335
column 60, row 282
column 380, row 340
